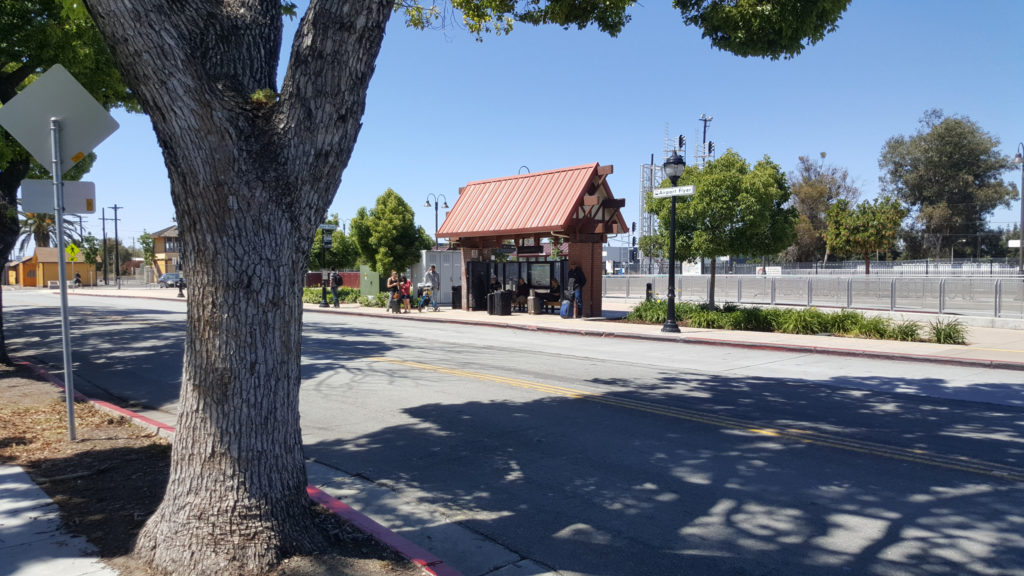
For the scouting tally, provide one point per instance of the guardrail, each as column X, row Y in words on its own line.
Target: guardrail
column 987, row 297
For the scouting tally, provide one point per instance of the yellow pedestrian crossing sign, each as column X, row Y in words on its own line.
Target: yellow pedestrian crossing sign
column 73, row 253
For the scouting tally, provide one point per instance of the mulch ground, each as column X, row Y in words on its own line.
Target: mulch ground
column 109, row 481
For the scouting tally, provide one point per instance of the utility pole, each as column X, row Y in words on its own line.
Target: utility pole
column 104, row 219
column 705, row 150
column 117, row 253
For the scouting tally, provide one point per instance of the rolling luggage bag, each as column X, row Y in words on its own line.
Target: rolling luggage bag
column 566, row 311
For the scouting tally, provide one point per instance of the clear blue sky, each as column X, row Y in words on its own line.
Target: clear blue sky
column 444, row 110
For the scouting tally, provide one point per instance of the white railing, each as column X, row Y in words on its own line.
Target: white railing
column 967, row 296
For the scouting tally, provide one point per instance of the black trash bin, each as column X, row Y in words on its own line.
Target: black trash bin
column 506, row 298
column 456, row 297
column 492, row 303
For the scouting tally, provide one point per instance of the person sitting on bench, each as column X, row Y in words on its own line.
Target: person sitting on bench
column 522, row 293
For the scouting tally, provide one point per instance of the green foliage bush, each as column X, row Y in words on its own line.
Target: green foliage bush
column 906, row 331
column 843, row 322
column 942, row 331
column 378, row 301
column 807, row 321
column 707, row 319
column 873, row 327
column 750, row 319
column 649, row 312
column 315, row 295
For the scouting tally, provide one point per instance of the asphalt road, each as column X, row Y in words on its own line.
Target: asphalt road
column 605, row 456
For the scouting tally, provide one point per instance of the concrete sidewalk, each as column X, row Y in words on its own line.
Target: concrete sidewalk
column 32, row 540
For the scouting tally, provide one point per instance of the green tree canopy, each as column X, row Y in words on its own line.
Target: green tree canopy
column 146, row 243
column 949, row 175
column 763, row 28
column 815, row 187
column 867, row 228
column 736, row 210
column 387, row 236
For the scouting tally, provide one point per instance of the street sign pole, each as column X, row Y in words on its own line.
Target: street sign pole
column 62, row 274
column 57, row 99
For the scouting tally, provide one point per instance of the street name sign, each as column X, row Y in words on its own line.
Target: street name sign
column 56, row 94
column 328, row 226
column 689, row 190
column 37, row 197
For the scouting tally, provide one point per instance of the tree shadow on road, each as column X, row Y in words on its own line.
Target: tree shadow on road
column 606, row 484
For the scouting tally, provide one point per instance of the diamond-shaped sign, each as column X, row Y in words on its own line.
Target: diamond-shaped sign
column 56, row 94
column 73, row 252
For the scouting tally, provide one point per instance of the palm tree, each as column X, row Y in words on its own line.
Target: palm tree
column 42, row 228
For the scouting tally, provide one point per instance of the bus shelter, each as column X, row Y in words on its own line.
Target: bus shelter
column 534, row 226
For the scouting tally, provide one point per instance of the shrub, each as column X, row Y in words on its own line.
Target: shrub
column 706, row 319
column 873, row 327
column 905, row 330
column 315, row 295
column 808, row 321
column 843, row 322
column 686, row 309
column 944, row 331
column 649, row 311
column 378, row 301
column 753, row 319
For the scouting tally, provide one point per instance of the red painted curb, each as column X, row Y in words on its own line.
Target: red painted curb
column 425, row 560
column 430, row 563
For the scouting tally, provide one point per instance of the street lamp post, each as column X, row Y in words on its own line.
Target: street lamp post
column 438, row 198
column 674, row 167
column 1019, row 159
column 325, row 243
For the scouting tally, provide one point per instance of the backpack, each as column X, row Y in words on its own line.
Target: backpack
column 336, row 279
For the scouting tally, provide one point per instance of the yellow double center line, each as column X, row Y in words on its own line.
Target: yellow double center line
column 806, row 436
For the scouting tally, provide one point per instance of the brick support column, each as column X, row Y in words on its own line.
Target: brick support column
column 588, row 256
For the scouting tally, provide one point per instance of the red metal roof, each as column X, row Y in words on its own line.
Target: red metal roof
column 541, row 202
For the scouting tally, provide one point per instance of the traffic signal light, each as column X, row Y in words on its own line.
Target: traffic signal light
column 634, row 241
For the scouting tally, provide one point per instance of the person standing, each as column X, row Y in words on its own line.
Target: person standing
column 432, row 280
column 336, row 282
column 393, row 286
column 577, row 279
column 405, row 287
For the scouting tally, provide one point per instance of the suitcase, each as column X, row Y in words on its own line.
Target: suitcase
column 566, row 311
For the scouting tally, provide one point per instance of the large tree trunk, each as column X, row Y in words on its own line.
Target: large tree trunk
column 249, row 182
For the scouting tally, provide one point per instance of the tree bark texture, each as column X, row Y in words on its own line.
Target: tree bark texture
column 250, row 181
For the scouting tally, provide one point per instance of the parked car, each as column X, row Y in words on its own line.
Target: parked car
column 171, row 280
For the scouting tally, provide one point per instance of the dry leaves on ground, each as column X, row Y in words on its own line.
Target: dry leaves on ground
column 112, row 478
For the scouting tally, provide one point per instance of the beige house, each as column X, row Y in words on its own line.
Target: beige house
column 43, row 268
column 166, row 251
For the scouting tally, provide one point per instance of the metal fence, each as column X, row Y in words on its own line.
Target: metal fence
column 968, row 296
